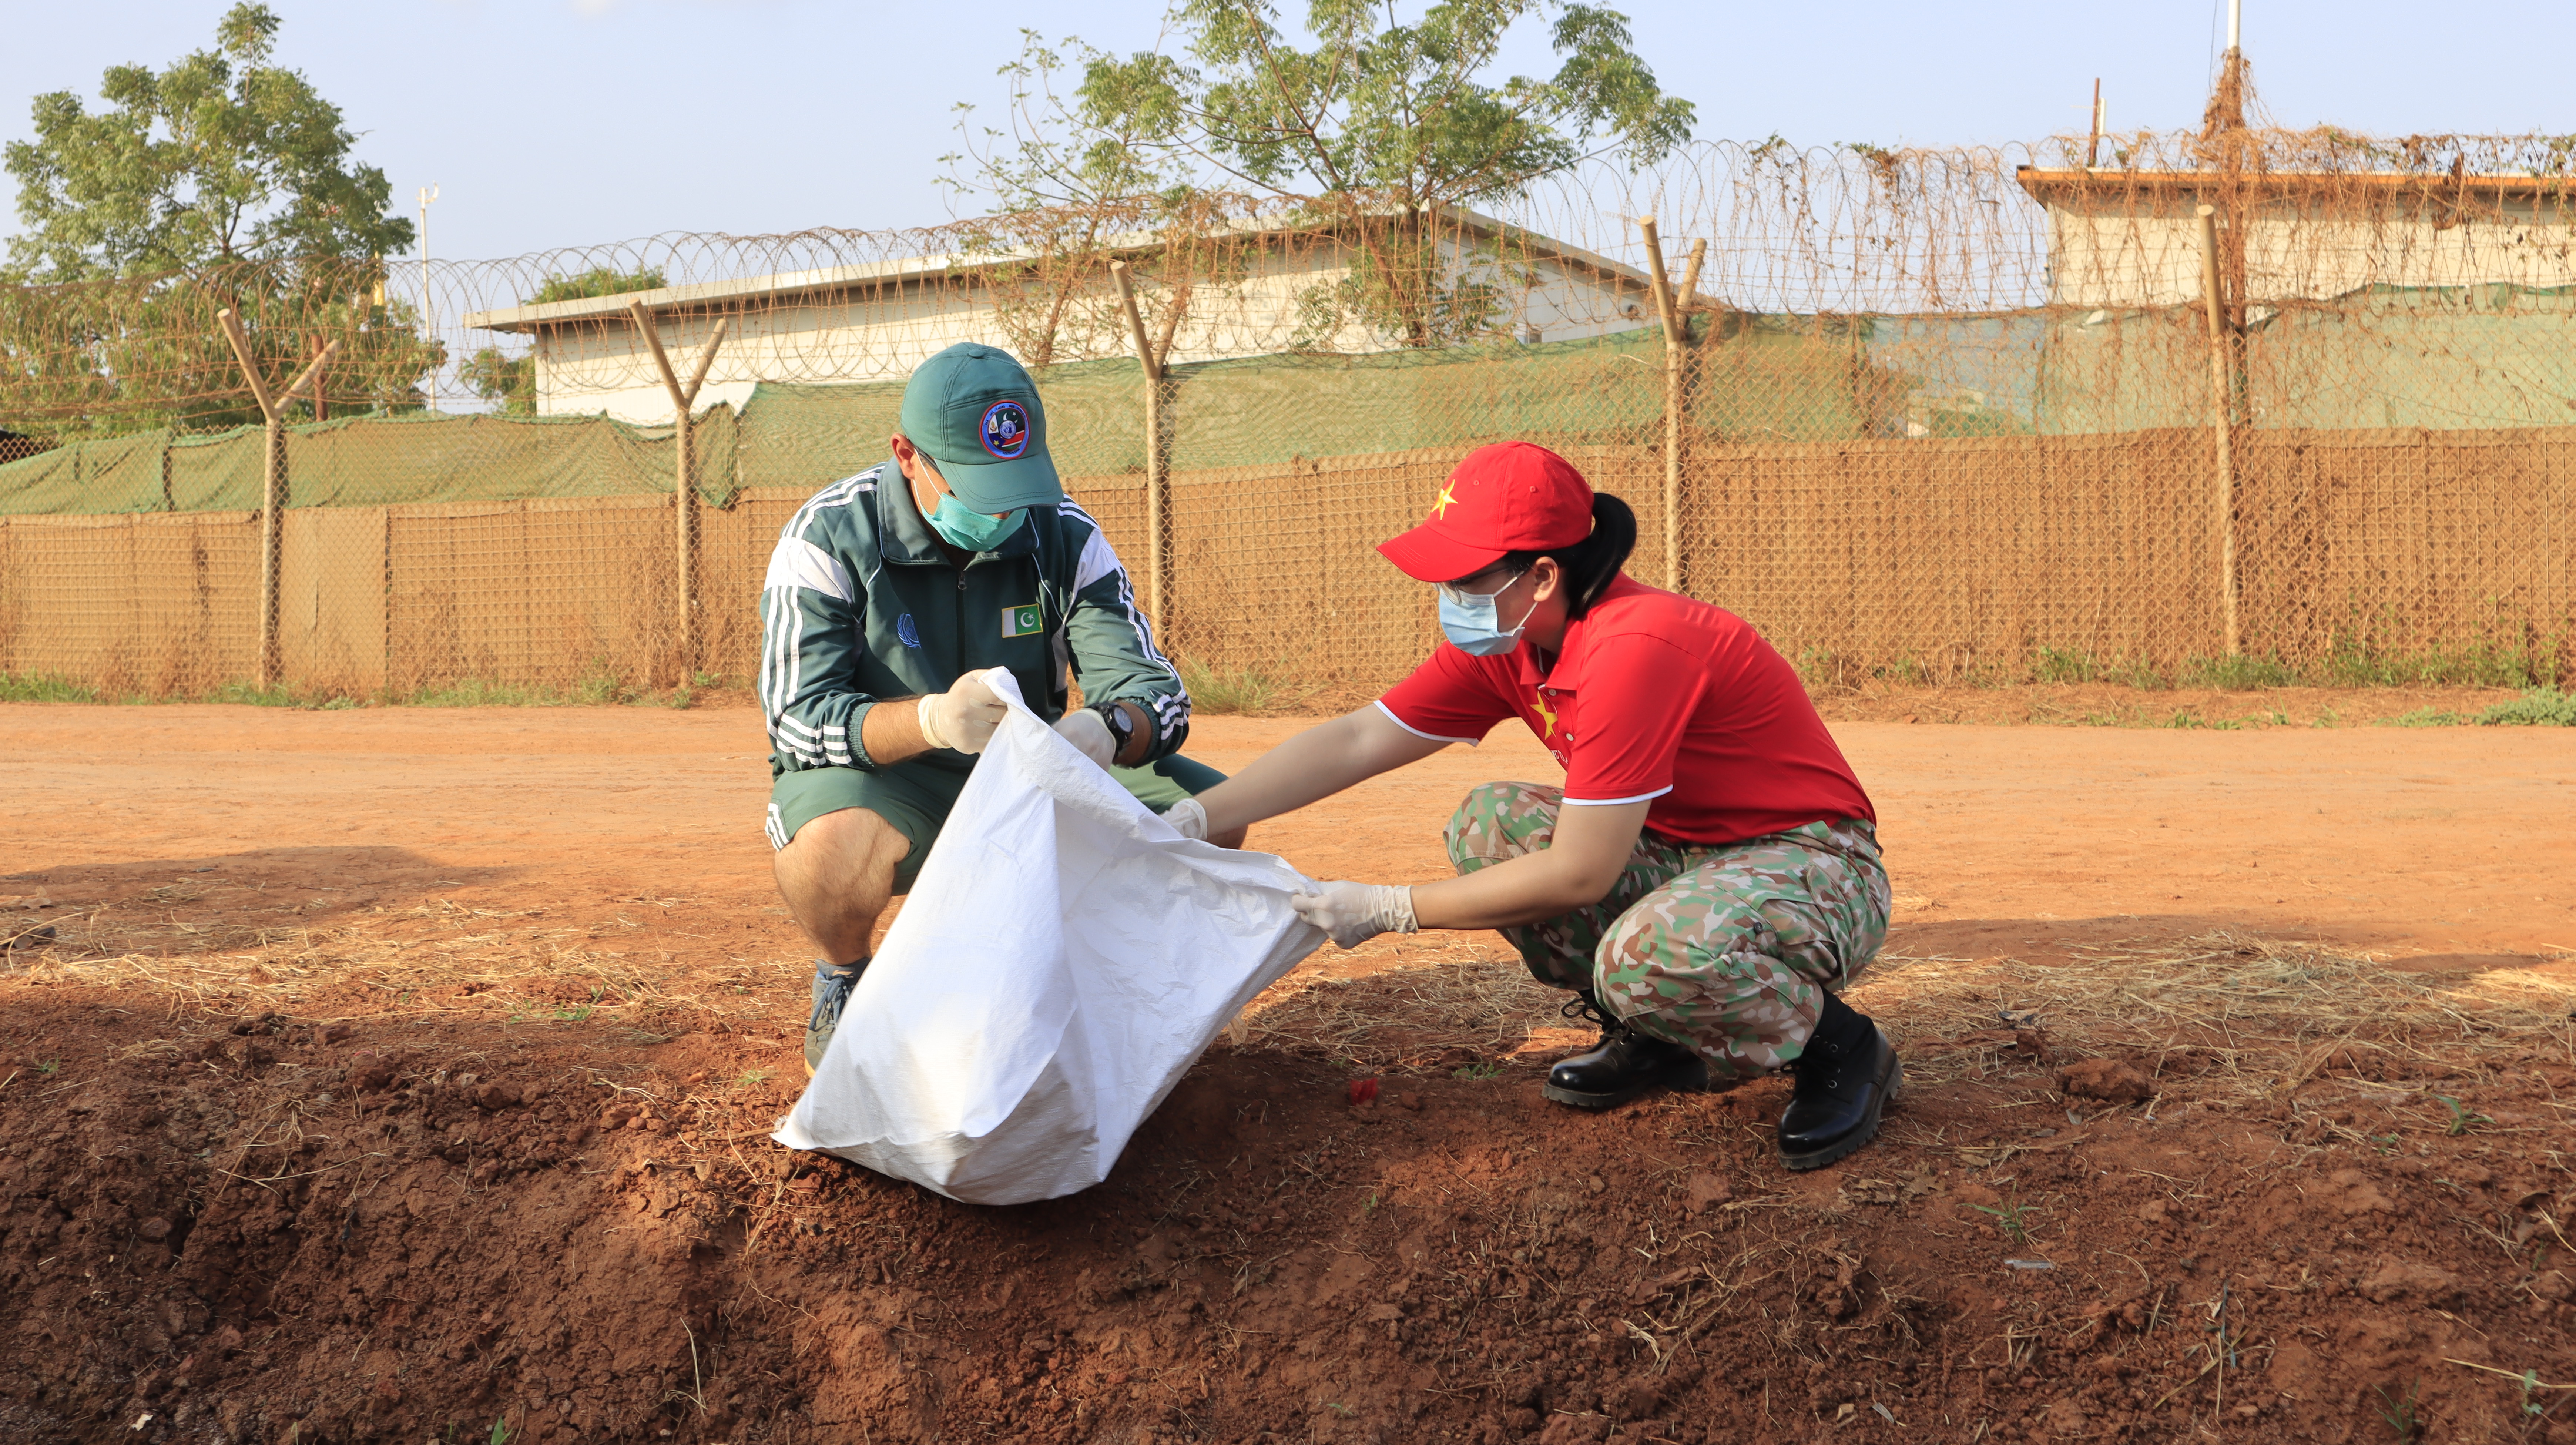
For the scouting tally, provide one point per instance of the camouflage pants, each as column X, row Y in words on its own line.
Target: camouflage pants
column 1726, row 950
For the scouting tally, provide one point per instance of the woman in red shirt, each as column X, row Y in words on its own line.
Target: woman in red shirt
column 1708, row 878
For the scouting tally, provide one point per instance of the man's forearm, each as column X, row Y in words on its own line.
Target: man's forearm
column 1140, row 736
column 891, row 731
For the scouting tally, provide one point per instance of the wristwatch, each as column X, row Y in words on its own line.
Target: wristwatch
column 1119, row 732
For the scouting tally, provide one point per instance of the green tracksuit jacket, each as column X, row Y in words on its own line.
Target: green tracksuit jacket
column 861, row 604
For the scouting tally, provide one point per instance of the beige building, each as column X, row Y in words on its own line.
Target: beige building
column 877, row 322
column 2121, row 239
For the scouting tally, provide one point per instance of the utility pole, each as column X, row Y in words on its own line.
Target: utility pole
column 2093, row 147
column 428, row 312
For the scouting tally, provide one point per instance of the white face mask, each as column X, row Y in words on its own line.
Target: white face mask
column 1472, row 621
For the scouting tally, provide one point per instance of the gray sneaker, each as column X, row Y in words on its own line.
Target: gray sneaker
column 832, row 987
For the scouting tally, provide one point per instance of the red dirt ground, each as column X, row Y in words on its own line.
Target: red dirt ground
column 393, row 1073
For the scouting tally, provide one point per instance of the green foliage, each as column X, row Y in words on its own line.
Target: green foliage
column 2355, row 660
column 220, row 181
column 2422, row 717
column 2012, row 1217
column 218, row 158
column 508, row 381
column 2537, row 707
column 1228, row 690
column 2059, row 665
column 105, row 358
column 2461, row 1117
column 1383, row 107
column 37, row 687
column 1374, row 131
column 597, row 281
column 2239, row 673
column 2399, row 1414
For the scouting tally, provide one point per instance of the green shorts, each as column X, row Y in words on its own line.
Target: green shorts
column 915, row 797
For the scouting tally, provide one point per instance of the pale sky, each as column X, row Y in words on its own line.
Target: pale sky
column 564, row 122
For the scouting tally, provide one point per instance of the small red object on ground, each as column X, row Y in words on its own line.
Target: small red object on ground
column 1363, row 1091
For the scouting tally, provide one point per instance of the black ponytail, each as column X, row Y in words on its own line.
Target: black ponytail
column 1592, row 564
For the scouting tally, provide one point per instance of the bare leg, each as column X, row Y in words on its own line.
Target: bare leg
column 836, row 876
column 1233, row 839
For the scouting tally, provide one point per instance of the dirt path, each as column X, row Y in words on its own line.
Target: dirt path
column 2428, row 843
column 400, row 1075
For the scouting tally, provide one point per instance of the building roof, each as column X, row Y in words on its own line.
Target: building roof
column 706, row 296
column 2058, row 186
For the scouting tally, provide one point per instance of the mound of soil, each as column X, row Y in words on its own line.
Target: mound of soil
column 255, row 1229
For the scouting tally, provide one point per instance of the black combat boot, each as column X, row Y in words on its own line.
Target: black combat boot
column 1623, row 1065
column 1845, row 1078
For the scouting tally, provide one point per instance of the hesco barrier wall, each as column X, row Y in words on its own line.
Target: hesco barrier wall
column 1934, row 557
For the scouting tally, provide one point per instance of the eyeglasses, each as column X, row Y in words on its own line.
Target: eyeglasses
column 1458, row 592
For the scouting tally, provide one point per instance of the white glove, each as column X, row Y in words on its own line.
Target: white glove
column 1189, row 817
column 1353, row 913
column 965, row 715
column 1089, row 735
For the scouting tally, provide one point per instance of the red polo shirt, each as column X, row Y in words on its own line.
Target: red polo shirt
column 1655, row 696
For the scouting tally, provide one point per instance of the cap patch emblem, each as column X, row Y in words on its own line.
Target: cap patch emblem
column 1006, row 430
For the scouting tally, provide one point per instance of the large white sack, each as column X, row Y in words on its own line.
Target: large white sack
column 1064, row 956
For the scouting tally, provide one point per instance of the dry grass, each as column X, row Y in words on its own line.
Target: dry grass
column 2256, row 1015
column 2259, row 1015
column 438, row 959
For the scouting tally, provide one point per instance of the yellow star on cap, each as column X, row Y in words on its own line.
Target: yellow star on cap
column 1448, row 495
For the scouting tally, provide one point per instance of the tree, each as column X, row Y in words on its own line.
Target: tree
column 1374, row 131
column 221, row 181
column 508, row 380
column 1070, row 181
column 597, row 281
column 220, row 158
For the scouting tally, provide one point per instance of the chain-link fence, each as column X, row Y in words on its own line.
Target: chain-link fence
column 1930, row 414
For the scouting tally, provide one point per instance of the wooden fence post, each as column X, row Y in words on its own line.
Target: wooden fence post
column 684, row 502
column 1677, row 369
column 1159, row 570
column 274, row 488
column 2223, row 388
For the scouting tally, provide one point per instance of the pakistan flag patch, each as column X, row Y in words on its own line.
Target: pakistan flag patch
column 1022, row 621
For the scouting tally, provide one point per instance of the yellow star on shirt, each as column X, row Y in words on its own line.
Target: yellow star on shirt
column 1546, row 714
column 1448, row 495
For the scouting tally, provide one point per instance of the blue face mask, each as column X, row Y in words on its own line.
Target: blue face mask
column 969, row 530
column 1473, row 626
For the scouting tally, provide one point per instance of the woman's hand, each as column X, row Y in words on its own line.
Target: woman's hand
column 1354, row 913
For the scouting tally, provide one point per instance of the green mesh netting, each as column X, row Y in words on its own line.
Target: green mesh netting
column 372, row 462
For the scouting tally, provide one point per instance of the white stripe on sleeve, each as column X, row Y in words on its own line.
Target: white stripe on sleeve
column 1614, row 802
column 1098, row 561
column 796, row 562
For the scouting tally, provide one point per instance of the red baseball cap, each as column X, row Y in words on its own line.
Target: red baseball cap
column 1505, row 498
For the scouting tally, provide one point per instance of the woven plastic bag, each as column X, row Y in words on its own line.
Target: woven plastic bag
column 1064, row 957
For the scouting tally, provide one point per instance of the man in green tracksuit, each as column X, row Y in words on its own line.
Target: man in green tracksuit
column 889, row 598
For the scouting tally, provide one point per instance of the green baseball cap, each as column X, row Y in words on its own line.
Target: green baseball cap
column 976, row 412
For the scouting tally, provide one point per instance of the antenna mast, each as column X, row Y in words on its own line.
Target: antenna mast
column 428, row 308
